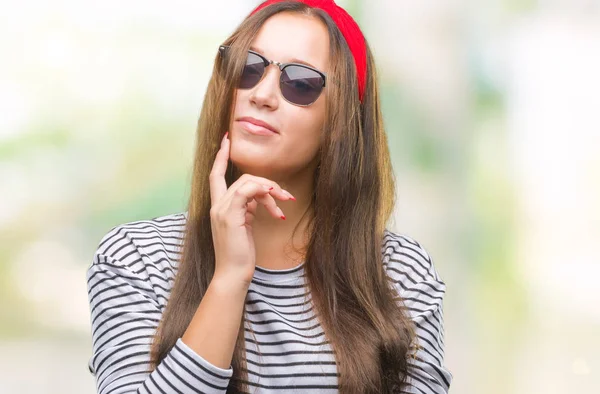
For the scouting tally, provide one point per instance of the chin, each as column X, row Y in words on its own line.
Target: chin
column 252, row 158
column 251, row 165
column 256, row 171
column 260, row 160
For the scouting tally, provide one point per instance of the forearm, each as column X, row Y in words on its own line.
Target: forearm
column 213, row 331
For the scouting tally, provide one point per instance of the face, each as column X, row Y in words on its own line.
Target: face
column 292, row 149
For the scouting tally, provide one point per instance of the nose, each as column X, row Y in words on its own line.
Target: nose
column 266, row 92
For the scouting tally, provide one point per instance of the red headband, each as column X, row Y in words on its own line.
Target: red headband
column 349, row 29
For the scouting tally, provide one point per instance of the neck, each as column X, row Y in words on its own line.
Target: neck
column 277, row 245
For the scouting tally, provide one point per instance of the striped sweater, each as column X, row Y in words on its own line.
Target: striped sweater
column 129, row 282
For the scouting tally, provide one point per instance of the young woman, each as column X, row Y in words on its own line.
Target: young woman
column 281, row 276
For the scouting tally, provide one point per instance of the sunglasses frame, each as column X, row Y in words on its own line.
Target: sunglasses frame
column 282, row 67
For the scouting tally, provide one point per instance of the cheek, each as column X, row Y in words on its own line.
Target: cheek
column 241, row 99
column 314, row 123
column 236, row 103
column 304, row 132
column 310, row 119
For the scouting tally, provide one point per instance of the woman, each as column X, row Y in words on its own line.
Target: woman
column 281, row 275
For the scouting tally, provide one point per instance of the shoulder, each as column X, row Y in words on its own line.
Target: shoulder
column 140, row 256
column 137, row 244
column 406, row 261
column 422, row 291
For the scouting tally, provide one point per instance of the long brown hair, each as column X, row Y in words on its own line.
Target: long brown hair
column 363, row 318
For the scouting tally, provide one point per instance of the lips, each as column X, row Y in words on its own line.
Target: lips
column 256, row 125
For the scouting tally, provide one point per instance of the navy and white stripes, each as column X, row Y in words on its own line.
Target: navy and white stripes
column 129, row 282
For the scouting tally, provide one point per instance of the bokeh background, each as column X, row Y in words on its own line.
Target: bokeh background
column 493, row 114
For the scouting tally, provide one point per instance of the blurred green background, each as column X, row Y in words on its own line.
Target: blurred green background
column 493, row 119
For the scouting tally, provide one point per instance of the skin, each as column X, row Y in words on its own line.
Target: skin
column 290, row 157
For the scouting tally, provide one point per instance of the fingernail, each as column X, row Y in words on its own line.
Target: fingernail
column 280, row 212
column 289, row 195
column 226, row 134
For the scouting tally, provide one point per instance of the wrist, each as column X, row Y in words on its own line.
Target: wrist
column 229, row 284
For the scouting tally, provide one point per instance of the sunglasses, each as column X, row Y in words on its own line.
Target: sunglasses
column 300, row 84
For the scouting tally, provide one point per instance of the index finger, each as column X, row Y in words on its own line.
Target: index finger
column 218, row 185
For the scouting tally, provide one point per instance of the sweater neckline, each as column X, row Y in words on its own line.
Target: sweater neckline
column 270, row 275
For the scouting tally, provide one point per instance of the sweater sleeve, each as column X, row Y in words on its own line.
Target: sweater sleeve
column 124, row 316
column 422, row 291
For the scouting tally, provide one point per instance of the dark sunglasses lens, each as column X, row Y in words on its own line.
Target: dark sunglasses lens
column 253, row 71
column 301, row 85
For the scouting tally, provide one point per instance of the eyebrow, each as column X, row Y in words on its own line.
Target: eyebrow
column 293, row 60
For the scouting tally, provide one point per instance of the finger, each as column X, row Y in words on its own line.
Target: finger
column 250, row 211
column 269, row 185
column 251, row 206
column 269, row 203
column 249, row 219
column 276, row 192
column 254, row 191
column 217, row 182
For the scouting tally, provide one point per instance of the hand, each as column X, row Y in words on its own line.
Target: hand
column 231, row 215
